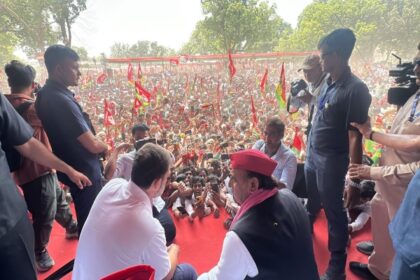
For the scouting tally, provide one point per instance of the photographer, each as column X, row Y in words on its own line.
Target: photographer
column 303, row 94
column 397, row 167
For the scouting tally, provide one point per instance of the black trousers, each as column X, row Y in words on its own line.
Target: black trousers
column 46, row 201
column 83, row 200
column 17, row 260
column 167, row 223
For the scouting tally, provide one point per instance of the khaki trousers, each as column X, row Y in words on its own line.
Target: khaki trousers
column 384, row 205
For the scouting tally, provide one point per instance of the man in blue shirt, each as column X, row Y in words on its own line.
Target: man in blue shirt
column 332, row 141
column 272, row 146
column 70, row 135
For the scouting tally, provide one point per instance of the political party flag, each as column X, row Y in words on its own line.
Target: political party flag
column 264, row 81
column 281, row 89
column 232, row 69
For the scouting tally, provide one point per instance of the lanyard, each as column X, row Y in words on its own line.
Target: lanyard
column 414, row 107
column 325, row 98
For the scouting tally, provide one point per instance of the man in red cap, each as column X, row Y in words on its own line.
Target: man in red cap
column 270, row 235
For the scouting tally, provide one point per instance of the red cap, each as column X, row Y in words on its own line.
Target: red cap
column 253, row 160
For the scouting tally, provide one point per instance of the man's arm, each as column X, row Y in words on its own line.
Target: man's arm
column 173, row 252
column 288, row 174
column 408, row 143
column 36, row 151
column 91, row 143
column 235, row 261
column 111, row 165
column 399, row 174
column 355, row 153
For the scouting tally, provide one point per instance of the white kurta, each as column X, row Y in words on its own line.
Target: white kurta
column 119, row 232
column 235, row 261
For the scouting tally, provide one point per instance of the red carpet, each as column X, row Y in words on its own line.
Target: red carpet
column 201, row 243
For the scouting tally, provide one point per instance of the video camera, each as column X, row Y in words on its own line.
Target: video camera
column 297, row 86
column 405, row 83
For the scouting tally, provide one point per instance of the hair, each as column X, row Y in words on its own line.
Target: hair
column 150, row 163
column 264, row 182
column 341, row 41
column 138, row 127
column 197, row 180
column 56, row 54
column 19, row 76
column 367, row 189
column 277, row 123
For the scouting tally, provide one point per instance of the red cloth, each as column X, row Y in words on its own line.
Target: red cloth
column 138, row 272
column 101, row 78
column 130, row 73
column 253, row 160
column 254, row 199
column 232, row 69
column 254, row 113
column 264, row 81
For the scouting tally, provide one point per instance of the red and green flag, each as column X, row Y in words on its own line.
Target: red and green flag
column 281, row 89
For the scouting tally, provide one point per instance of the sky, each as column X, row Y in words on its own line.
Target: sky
column 169, row 22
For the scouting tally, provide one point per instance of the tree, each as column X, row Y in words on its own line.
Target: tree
column 82, row 52
column 65, row 13
column 236, row 25
column 37, row 24
column 379, row 25
column 140, row 48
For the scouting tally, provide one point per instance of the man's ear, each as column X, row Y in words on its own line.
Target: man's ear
column 255, row 184
column 155, row 186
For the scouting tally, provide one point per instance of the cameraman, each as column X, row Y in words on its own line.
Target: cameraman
column 317, row 79
column 397, row 168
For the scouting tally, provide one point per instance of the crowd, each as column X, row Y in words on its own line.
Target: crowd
column 221, row 142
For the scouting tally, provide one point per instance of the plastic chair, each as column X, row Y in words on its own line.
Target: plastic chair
column 137, row 272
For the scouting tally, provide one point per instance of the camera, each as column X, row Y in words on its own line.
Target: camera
column 405, row 82
column 297, row 86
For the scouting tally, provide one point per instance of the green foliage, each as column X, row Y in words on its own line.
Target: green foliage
column 141, row 48
column 37, row 24
column 82, row 52
column 238, row 25
column 382, row 25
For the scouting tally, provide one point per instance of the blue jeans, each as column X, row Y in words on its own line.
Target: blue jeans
column 325, row 175
column 401, row 271
column 185, row 271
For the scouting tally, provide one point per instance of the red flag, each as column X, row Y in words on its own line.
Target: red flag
column 142, row 91
column 136, row 106
column 174, row 61
column 297, row 141
column 108, row 114
column 283, row 82
column 254, row 113
column 264, row 81
column 232, row 69
column 130, row 73
column 101, row 78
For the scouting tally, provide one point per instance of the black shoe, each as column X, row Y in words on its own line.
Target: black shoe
column 72, row 231
column 362, row 270
column 327, row 276
column 43, row 261
column 365, row 247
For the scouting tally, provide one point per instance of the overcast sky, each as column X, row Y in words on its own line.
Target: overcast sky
column 169, row 22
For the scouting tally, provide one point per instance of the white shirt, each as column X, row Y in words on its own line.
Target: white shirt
column 235, row 261
column 119, row 232
column 123, row 170
column 286, row 168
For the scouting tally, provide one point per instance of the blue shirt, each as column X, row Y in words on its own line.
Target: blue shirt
column 63, row 121
column 343, row 101
column 405, row 227
column 285, row 171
